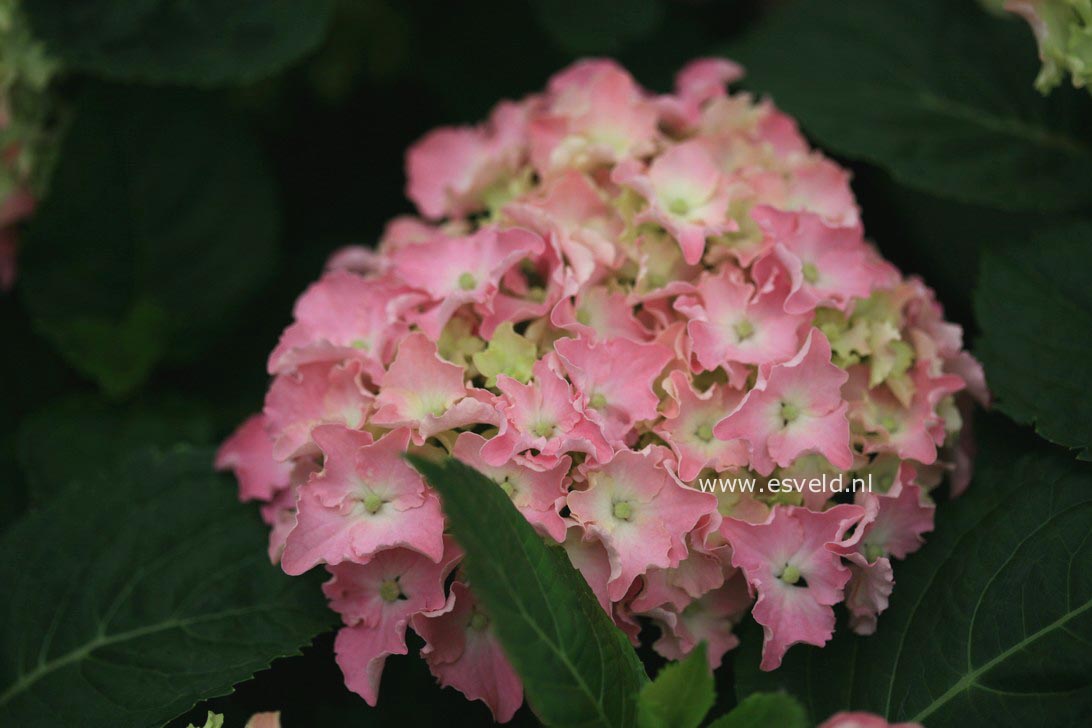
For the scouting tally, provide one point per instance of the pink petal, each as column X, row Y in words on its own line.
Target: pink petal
column 249, row 453
column 462, row 652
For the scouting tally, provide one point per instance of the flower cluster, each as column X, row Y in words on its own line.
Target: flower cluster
column 608, row 297
column 862, row 720
column 1063, row 32
column 16, row 203
column 25, row 70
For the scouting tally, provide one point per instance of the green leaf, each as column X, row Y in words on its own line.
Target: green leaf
column 680, row 696
column 81, row 437
column 578, row 669
column 201, row 42
column 119, row 354
column 760, row 710
column 127, row 600
column 1034, row 306
column 990, row 621
column 161, row 223
column 934, row 91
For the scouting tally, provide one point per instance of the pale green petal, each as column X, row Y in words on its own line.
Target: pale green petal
column 507, row 353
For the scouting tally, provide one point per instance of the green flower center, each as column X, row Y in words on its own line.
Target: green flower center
column 389, row 591
column 598, row 401
column 656, row 280
column 790, row 574
column 679, row 206
column 372, row 503
column 705, row 432
column 478, row 621
column 811, row 273
column 789, row 412
column 872, row 552
column 744, row 329
column 467, row 282
column 543, row 429
column 622, row 510
column 508, row 487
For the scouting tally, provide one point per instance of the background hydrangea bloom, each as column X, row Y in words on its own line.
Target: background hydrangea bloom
column 26, row 68
column 1063, row 32
column 610, row 295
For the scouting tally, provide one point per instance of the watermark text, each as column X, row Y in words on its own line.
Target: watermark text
column 821, row 484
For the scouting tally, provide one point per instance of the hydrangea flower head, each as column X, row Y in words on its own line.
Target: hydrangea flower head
column 1063, row 31
column 26, row 68
column 612, row 299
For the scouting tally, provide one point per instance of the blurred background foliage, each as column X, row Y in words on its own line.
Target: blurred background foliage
column 212, row 156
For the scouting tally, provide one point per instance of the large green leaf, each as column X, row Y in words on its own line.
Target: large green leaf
column 578, row 669
column 82, row 437
column 681, row 694
column 1034, row 306
column 935, row 91
column 763, row 710
column 990, row 621
column 127, row 600
column 160, row 224
column 201, row 42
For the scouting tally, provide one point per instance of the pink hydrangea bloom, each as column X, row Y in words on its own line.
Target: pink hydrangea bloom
column 614, row 378
column 544, row 416
column 698, row 83
column 827, row 265
column 689, row 419
column 597, row 313
column 612, row 298
column 593, row 113
column 313, row 395
column 795, row 408
column 463, row 652
column 454, row 272
column 858, row 719
column 264, row 720
column 686, row 194
column 640, row 513
column 709, row 618
column 732, row 322
column 366, row 498
column 538, row 493
column 376, row 601
column 788, row 562
column 573, row 215
column 677, row 587
column 422, row 391
column 344, row 316
column 453, row 171
column 589, row 556
column 249, row 453
column 892, row 527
